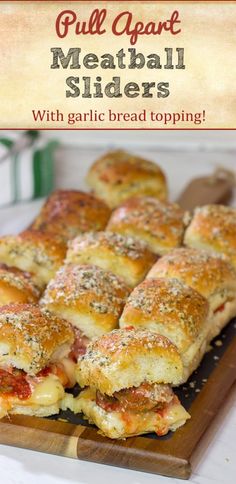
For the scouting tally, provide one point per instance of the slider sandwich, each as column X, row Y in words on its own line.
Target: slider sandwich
column 211, row 275
column 35, row 363
column 90, row 298
column 119, row 175
column 123, row 255
column 67, row 213
column 174, row 310
column 17, row 286
column 213, row 228
column 35, row 252
column 160, row 224
column 128, row 376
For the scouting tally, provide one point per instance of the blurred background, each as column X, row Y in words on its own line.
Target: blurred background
column 34, row 163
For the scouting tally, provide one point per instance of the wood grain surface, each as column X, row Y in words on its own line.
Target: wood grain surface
column 176, row 456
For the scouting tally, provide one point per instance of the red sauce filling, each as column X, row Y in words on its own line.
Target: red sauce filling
column 57, row 370
column 80, row 345
column 144, row 398
column 13, row 383
column 220, row 308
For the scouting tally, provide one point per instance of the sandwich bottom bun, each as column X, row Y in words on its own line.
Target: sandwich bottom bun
column 44, row 398
column 120, row 424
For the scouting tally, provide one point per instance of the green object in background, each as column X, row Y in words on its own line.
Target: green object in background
column 27, row 152
column 43, row 170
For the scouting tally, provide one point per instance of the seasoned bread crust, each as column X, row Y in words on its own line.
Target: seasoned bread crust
column 17, row 286
column 125, row 358
column 38, row 253
column 168, row 307
column 160, row 224
column 70, row 212
column 212, row 275
column 213, row 228
column 118, row 175
column 31, row 338
column 123, row 255
column 90, row 298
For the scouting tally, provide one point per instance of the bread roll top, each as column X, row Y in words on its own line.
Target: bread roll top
column 160, row 224
column 212, row 275
column 126, row 358
column 125, row 256
column 213, row 228
column 31, row 338
column 17, row 286
column 89, row 297
column 35, row 252
column 168, row 307
column 118, row 175
column 70, row 212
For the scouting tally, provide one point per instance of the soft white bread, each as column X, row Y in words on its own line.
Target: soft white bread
column 126, row 372
column 123, row 255
column 120, row 424
column 90, row 298
column 213, row 228
column 159, row 224
column 174, row 310
column 118, row 175
column 17, row 286
column 31, row 338
column 212, row 275
column 35, row 363
column 126, row 358
column 68, row 213
column 35, row 252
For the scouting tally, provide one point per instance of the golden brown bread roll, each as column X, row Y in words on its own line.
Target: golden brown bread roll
column 90, row 298
column 212, row 275
column 159, row 224
column 174, row 310
column 17, row 286
column 34, row 360
column 118, row 175
column 128, row 373
column 123, row 255
column 68, row 213
column 35, row 252
column 213, row 228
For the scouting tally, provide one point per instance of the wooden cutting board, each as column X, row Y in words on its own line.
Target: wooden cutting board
column 174, row 455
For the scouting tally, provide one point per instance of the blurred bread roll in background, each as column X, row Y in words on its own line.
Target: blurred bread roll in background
column 159, row 224
column 213, row 228
column 68, row 213
column 119, row 175
column 17, row 286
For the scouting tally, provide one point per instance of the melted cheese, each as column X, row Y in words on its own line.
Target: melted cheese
column 69, row 367
column 125, row 424
column 46, row 392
